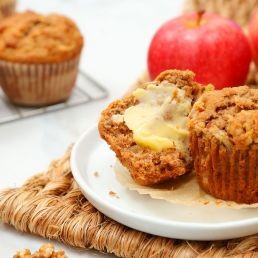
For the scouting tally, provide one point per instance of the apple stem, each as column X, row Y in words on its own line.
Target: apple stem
column 199, row 17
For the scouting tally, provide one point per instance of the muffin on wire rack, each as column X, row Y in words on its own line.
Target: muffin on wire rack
column 39, row 58
column 224, row 143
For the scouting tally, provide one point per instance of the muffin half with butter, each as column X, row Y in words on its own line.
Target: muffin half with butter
column 39, row 58
column 148, row 129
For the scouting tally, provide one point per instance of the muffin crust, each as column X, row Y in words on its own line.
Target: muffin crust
column 224, row 146
column 34, row 38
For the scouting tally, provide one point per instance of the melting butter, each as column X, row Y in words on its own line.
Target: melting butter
column 159, row 120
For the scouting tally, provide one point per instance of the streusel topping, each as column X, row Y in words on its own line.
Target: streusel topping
column 34, row 38
column 231, row 115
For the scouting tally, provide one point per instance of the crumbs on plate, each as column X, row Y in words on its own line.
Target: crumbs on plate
column 45, row 251
column 113, row 194
column 96, row 174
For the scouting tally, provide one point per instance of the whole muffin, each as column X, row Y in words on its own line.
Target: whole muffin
column 39, row 58
column 224, row 143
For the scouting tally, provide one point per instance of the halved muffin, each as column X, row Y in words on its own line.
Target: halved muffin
column 224, row 143
column 147, row 130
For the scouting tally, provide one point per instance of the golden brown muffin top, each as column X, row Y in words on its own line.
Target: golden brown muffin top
column 231, row 115
column 34, row 38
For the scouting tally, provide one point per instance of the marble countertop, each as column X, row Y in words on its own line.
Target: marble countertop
column 117, row 34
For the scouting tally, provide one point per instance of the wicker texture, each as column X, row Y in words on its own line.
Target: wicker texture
column 238, row 10
column 51, row 205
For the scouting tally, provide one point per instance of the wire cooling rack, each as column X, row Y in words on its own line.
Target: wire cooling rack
column 86, row 90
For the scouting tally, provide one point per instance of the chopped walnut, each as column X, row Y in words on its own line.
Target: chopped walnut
column 176, row 96
column 45, row 251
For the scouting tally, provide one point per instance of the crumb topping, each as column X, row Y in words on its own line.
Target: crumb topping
column 34, row 38
column 45, row 251
column 231, row 115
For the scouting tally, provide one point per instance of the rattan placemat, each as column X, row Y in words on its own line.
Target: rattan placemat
column 238, row 10
column 51, row 205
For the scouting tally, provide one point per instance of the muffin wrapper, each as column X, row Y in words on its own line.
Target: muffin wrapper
column 38, row 84
column 225, row 174
column 184, row 190
column 7, row 8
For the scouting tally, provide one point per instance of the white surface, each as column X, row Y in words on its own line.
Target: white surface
column 144, row 213
column 117, row 34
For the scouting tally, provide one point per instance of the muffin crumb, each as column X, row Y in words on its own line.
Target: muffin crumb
column 113, row 194
column 45, row 251
column 96, row 174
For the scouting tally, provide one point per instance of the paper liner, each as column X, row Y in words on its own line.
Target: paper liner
column 38, row 84
column 184, row 190
column 223, row 173
column 7, row 8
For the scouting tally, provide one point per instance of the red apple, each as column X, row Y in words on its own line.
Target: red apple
column 213, row 47
column 253, row 35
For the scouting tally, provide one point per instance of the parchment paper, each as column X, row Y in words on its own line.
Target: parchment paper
column 184, row 190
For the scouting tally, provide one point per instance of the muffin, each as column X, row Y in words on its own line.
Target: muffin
column 148, row 129
column 224, row 143
column 39, row 58
column 7, row 8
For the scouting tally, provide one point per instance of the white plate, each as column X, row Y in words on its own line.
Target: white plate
column 91, row 154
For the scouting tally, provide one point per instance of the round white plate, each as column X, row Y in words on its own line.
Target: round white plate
column 92, row 166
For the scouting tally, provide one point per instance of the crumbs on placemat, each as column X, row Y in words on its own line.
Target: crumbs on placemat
column 45, row 251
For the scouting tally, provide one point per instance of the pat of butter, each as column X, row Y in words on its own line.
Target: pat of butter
column 159, row 119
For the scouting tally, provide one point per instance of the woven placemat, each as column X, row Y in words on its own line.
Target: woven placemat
column 238, row 10
column 51, row 205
